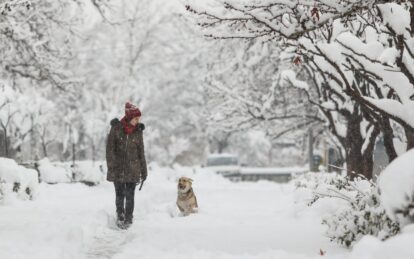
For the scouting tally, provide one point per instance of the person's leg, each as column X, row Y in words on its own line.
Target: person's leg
column 120, row 200
column 129, row 206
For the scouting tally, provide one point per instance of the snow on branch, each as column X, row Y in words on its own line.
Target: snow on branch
column 276, row 19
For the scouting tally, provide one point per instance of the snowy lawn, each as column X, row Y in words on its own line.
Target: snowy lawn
column 236, row 220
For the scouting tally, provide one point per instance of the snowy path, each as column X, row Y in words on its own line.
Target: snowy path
column 248, row 220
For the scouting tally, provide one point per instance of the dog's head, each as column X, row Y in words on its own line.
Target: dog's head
column 184, row 184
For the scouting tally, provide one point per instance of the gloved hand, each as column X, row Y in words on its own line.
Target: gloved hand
column 143, row 178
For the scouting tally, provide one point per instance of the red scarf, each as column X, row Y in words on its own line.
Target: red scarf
column 128, row 128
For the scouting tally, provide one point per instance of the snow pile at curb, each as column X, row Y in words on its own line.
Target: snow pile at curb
column 11, row 173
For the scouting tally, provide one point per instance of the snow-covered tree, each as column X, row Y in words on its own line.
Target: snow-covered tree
column 247, row 90
column 154, row 61
column 349, row 76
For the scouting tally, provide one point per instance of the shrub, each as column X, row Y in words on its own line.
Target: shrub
column 362, row 213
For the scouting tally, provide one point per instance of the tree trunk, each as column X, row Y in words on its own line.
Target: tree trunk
column 73, row 154
column 93, row 152
column 410, row 138
column 359, row 163
column 44, row 148
column 412, row 15
column 368, row 155
column 221, row 145
column 310, row 151
column 388, row 135
column 6, row 144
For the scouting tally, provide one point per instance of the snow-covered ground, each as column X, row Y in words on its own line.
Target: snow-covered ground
column 236, row 220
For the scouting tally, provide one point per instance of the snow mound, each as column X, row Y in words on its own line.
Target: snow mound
column 11, row 173
column 88, row 171
column 397, row 186
column 50, row 173
column 370, row 247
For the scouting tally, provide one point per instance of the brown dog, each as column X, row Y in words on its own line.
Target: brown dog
column 186, row 200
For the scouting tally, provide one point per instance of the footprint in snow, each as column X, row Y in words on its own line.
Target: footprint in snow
column 108, row 240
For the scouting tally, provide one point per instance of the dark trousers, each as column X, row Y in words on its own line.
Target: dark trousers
column 124, row 201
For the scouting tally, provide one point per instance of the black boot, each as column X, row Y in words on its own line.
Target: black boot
column 128, row 221
column 120, row 216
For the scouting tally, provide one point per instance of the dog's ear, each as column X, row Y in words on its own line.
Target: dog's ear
column 191, row 180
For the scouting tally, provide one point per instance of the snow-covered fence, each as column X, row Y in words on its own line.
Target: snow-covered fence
column 277, row 174
column 253, row 174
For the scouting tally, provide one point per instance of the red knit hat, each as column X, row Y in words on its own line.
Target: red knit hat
column 131, row 111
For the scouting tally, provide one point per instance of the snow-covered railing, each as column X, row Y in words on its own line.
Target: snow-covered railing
column 277, row 174
column 273, row 170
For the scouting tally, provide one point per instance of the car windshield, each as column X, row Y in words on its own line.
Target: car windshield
column 218, row 161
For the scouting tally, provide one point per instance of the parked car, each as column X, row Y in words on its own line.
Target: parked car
column 224, row 164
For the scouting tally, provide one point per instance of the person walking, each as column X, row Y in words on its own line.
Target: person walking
column 126, row 162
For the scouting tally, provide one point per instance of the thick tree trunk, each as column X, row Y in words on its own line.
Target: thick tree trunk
column 353, row 146
column 358, row 161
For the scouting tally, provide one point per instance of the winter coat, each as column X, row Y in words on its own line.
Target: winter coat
column 125, row 156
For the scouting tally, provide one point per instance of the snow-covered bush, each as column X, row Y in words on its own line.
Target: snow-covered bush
column 50, row 173
column 16, row 178
column 88, row 172
column 396, row 184
column 361, row 213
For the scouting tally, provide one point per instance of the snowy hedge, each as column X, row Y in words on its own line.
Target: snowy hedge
column 359, row 211
column 88, row 172
column 19, row 179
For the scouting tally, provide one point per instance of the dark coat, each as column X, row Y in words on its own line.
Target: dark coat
column 125, row 155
